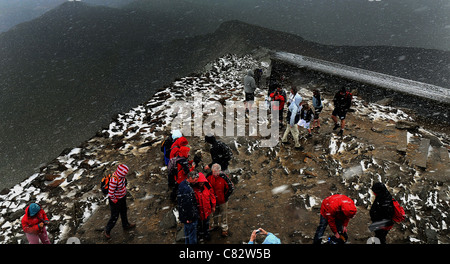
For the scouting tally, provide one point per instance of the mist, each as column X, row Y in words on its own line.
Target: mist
column 402, row 23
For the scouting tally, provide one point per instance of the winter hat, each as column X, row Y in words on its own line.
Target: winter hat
column 210, row 139
column 379, row 188
column 271, row 239
column 176, row 134
column 33, row 209
column 122, row 170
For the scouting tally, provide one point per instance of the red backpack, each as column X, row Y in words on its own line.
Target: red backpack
column 399, row 212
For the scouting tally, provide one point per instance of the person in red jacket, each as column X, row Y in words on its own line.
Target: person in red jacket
column 335, row 211
column 223, row 188
column 175, row 148
column 279, row 95
column 33, row 224
column 206, row 201
column 184, row 165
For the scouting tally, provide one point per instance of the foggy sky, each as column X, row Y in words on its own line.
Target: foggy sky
column 408, row 23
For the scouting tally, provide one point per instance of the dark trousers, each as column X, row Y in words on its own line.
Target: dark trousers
column 381, row 235
column 119, row 208
column 202, row 229
column 321, row 229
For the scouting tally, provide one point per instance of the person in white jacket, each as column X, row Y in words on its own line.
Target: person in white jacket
column 292, row 118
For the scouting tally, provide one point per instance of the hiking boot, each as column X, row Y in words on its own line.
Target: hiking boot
column 340, row 133
column 129, row 226
column 336, row 126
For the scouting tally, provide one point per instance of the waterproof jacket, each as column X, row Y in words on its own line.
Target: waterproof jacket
column 222, row 186
column 187, row 203
column 206, row 198
column 342, row 100
column 180, row 142
column 337, row 207
column 30, row 223
column 220, row 152
column 294, row 110
column 280, row 97
column 184, row 165
column 249, row 83
column 317, row 102
column 383, row 206
column 306, row 115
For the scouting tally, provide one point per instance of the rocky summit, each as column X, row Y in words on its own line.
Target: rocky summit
column 277, row 188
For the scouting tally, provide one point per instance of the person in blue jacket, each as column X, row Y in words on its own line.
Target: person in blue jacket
column 270, row 238
column 188, row 208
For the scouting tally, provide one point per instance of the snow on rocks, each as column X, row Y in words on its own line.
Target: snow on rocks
column 68, row 185
column 70, row 199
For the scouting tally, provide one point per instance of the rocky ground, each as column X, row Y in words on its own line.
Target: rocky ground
column 279, row 189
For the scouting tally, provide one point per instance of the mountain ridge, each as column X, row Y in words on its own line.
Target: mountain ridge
column 58, row 92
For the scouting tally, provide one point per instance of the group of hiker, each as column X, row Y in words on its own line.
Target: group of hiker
column 202, row 200
column 300, row 114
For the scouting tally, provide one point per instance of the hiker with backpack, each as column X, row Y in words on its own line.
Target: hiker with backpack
column 188, row 207
column 206, row 201
column 178, row 169
column 384, row 212
column 220, row 153
column 34, row 224
column 166, row 145
column 223, row 188
column 342, row 101
column 279, row 95
column 178, row 142
column 336, row 211
column 293, row 116
column 117, row 195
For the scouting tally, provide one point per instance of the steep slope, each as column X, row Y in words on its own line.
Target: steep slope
column 279, row 189
column 66, row 73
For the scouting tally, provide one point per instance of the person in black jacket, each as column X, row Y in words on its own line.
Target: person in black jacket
column 381, row 212
column 220, row 153
column 188, row 207
column 342, row 102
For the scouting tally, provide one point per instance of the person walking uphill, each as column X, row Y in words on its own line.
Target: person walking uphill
column 188, row 207
column 117, row 195
column 33, row 224
column 335, row 211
